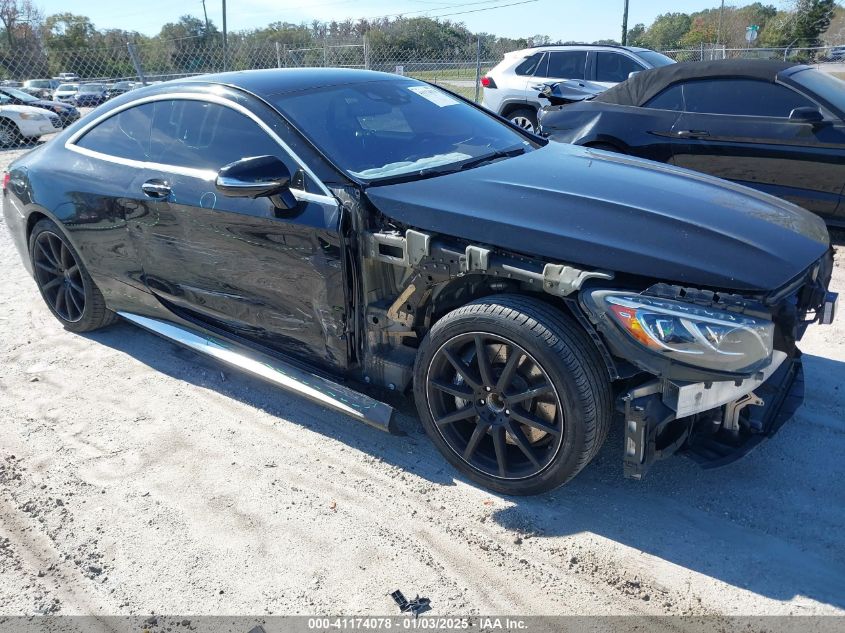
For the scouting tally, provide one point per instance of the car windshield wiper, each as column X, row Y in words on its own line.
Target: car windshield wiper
column 489, row 158
column 430, row 172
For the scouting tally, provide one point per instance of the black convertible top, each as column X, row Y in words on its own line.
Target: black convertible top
column 640, row 88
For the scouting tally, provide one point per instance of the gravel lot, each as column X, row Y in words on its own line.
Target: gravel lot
column 137, row 478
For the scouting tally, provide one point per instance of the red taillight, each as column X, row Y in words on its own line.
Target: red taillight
column 6, row 176
column 488, row 82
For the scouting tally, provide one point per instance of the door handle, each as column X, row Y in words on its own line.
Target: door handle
column 156, row 189
column 692, row 133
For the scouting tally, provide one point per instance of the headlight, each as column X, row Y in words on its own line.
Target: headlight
column 32, row 116
column 687, row 333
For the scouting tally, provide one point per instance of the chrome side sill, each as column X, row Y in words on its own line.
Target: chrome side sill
column 316, row 388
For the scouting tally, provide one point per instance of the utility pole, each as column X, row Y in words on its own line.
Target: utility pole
column 719, row 33
column 205, row 13
column 225, row 40
column 625, row 24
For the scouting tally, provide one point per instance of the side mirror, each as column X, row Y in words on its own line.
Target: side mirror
column 632, row 73
column 257, row 177
column 806, row 115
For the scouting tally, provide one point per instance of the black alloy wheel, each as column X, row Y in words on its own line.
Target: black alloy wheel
column 494, row 405
column 59, row 276
column 513, row 392
column 64, row 283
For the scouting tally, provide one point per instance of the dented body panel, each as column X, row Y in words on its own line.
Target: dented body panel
column 602, row 210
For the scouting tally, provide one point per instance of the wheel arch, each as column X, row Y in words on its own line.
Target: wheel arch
column 512, row 106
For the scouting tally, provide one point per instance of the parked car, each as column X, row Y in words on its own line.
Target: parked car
column 380, row 230
column 24, row 124
column 836, row 53
column 40, row 88
column 67, row 113
column 119, row 88
column 11, row 83
column 67, row 77
column 512, row 88
column 90, row 95
column 66, row 93
column 775, row 126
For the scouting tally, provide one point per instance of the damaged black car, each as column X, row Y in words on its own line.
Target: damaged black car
column 341, row 233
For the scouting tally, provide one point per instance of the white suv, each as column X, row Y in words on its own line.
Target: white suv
column 511, row 89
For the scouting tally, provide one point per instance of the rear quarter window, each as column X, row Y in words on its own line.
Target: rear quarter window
column 528, row 65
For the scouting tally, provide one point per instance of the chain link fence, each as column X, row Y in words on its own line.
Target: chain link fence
column 459, row 69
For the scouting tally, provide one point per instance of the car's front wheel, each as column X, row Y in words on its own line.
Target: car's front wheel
column 513, row 393
column 526, row 118
column 65, row 284
column 10, row 135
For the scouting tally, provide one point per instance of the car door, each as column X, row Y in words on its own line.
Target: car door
column 554, row 66
column 739, row 129
column 609, row 68
column 241, row 265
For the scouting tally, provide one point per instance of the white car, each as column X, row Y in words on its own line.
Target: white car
column 511, row 89
column 20, row 123
column 65, row 92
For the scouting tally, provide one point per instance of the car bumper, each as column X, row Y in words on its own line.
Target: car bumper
column 713, row 424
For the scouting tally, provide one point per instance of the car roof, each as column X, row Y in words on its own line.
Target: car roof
column 632, row 49
column 647, row 84
column 275, row 81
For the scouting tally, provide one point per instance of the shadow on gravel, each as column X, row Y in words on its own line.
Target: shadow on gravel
column 771, row 523
column 411, row 452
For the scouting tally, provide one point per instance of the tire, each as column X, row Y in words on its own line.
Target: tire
column 478, row 417
column 63, row 281
column 10, row 134
column 526, row 118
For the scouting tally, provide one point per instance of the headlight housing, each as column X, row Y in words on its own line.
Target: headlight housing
column 32, row 116
column 686, row 333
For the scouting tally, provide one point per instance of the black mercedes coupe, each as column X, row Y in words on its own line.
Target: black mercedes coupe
column 772, row 125
column 342, row 233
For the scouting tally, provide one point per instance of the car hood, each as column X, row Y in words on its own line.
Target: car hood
column 602, row 210
column 23, row 108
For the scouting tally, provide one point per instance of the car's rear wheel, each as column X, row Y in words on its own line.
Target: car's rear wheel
column 526, row 118
column 65, row 285
column 513, row 393
column 10, row 135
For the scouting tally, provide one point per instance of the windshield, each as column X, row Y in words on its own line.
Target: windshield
column 825, row 85
column 18, row 94
column 655, row 59
column 92, row 88
column 382, row 129
column 67, row 88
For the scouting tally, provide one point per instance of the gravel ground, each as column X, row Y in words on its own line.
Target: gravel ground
column 137, row 478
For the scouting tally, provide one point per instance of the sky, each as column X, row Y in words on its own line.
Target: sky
column 579, row 20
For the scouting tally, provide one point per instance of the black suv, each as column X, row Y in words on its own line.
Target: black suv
column 342, row 232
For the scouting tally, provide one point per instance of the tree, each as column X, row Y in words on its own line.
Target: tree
column 812, row 17
column 667, row 30
column 636, row 35
column 20, row 19
column 68, row 31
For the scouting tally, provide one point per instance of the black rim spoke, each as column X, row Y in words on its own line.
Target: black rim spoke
column 476, row 437
column 484, row 367
column 456, row 416
column 523, row 444
column 533, row 421
column 510, row 367
column 495, row 406
column 453, row 390
column 501, row 450
column 466, row 373
column 530, row 394
column 59, row 276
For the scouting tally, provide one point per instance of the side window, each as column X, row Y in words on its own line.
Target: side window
column 529, row 65
column 124, row 135
column 745, row 97
column 203, row 135
column 672, row 98
column 567, row 64
column 615, row 66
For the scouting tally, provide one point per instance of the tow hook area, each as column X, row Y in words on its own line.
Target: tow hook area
column 646, row 420
column 733, row 409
